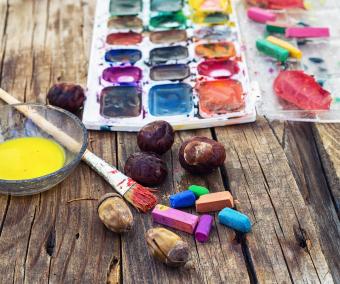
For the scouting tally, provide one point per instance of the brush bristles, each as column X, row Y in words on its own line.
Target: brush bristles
column 141, row 197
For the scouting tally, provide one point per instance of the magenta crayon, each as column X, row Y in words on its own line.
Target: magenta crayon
column 307, row 32
column 203, row 228
column 260, row 15
column 174, row 218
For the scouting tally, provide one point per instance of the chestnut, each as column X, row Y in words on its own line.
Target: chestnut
column 201, row 155
column 68, row 96
column 157, row 136
column 146, row 168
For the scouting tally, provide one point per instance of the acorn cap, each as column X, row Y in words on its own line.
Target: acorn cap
column 107, row 196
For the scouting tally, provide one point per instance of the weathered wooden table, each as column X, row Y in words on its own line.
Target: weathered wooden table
column 284, row 175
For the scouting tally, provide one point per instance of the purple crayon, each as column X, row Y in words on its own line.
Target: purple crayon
column 203, row 229
column 174, row 218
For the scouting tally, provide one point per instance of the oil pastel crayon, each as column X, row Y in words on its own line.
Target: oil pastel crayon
column 293, row 51
column 276, row 27
column 183, row 199
column 272, row 50
column 307, row 32
column 260, row 15
column 174, row 218
column 235, row 220
column 214, row 202
column 198, row 190
column 203, row 228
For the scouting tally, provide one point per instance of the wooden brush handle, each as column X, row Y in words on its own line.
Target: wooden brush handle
column 115, row 178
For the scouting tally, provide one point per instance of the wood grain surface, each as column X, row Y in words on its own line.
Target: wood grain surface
column 285, row 177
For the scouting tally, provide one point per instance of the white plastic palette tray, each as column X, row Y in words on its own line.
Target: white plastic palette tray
column 95, row 119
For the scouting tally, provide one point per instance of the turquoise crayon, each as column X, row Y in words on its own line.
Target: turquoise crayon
column 235, row 220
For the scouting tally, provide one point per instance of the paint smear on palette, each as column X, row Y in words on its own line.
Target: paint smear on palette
column 170, row 99
column 219, row 97
column 218, row 68
column 169, row 72
column 166, row 5
column 210, row 5
column 212, row 33
column 119, row 75
column 213, row 50
column 120, row 101
column 123, row 56
column 164, row 54
column 170, row 36
column 125, row 7
column 165, row 21
column 214, row 18
column 125, row 22
column 130, row 38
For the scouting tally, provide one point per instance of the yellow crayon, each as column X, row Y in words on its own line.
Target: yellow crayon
column 293, row 51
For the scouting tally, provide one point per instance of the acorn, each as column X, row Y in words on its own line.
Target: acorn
column 167, row 247
column 114, row 213
column 68, row 96
column 157, row 136
column 201, row 155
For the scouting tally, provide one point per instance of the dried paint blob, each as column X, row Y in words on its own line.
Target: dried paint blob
column 166, row 6
column 170, row 36
column 167, row 21
column 219, row 97
column 302, row 90
column 125, row 7
column 218, row 68
column 216, row 18
column 170, row 99
column 129, row 38
column 123, row 56
column 169, row 72
column 124, row 22
column 212, row 33
column 119, row 75
column 277, row 4
column 120, row 101
column 209, row 5
column 215, row 50
column 164, row 54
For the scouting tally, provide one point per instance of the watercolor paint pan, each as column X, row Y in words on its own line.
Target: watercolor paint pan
column 155, row 61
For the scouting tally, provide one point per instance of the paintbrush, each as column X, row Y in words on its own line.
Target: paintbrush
column 139, row 196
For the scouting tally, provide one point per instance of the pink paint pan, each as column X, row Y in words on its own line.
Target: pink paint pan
column 218, row 68
column 119, row 75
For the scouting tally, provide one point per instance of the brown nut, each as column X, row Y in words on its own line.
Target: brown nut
column 67, row 96
column 114, row 213
column 201, row 155
column 146, row 168
column 157, row 136
column 167, row 247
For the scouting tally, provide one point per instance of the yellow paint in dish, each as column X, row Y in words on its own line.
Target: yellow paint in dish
column 30, row 157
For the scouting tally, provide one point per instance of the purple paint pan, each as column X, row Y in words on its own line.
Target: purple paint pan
column 119, row 75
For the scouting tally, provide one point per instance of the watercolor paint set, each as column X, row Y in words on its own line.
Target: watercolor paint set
column 173, row 60
column 312, row 38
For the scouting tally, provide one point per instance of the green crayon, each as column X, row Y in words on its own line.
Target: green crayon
column 272, row 50
column 198, row 190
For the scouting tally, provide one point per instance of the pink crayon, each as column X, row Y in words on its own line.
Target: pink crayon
column 260, row 15
column 174, row 218
column 203, row 228
column 305, row 32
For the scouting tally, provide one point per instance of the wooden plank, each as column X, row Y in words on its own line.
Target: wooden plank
column 54, row 240
column 219, row 261
column 328, row 140
column 262, row 181
column 304, row 159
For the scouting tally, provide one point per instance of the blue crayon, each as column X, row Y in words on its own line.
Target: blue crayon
column 183, row 199
column 235, row 220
